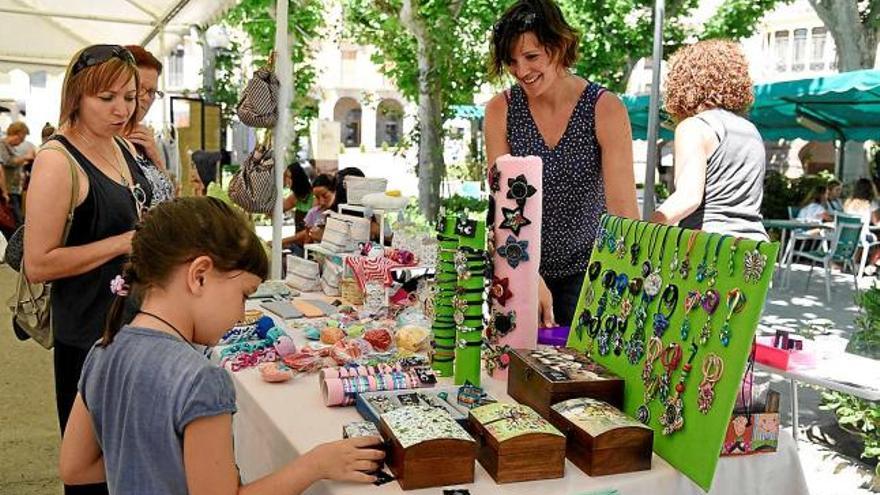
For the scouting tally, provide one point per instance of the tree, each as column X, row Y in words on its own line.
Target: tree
column 436, row 52
column 854, row 26
column 256, row 18
column 616, row 34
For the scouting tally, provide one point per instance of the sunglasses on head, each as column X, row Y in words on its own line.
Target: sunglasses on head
column 98, row 54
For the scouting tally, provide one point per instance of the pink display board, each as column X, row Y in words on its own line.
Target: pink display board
column 516, row 186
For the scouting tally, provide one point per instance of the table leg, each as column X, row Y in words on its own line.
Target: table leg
column 782, row 237
column 794, row 411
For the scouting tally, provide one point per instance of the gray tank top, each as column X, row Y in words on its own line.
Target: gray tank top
column 734, row 179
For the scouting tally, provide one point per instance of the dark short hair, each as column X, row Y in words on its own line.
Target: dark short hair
column 864, row 190
column 302, row 186
column 544, row 19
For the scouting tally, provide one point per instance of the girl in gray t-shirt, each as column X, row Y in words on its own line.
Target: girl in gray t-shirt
column 153, row 415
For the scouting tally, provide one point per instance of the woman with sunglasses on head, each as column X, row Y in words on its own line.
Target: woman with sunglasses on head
column 98, row 103
column 148, row 157
column 579, row 130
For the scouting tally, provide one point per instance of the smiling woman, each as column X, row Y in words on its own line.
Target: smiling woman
column 99, row 102
column 580, row 131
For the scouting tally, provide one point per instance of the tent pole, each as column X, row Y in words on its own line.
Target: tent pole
column 841, row 154
column 654, row 110
column 284, row 73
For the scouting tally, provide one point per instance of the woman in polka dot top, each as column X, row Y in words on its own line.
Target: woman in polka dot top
column 580, row 131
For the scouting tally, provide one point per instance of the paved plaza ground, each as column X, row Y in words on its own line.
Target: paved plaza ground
column 29, row 437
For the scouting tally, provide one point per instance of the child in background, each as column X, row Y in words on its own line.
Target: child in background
column 153, row 415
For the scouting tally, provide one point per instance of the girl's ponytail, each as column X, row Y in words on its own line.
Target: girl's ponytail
column 121, row 286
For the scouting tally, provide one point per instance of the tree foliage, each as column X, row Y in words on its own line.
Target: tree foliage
column 616, row 34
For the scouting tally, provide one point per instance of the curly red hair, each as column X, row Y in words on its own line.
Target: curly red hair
column 708, row 74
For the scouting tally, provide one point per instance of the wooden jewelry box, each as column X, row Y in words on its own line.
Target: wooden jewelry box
column 542, row 377
column 514, row 443
column 426, row 448
column 601, row 439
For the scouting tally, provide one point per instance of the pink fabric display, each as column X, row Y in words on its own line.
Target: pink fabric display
column 516, row 185
column 275, row 372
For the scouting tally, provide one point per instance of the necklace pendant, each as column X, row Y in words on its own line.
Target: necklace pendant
column 711, row 275
column 724, row 335
column 706, row 332
column 590, row 296
column 615, row 298
column 661, row 323
column 685, row 269
column 643, row 414
column 706, row 397
column 664, row 386
column 685, row 328
column 634, row 250
column 755, row 262
column 672, row 418
column 612, row 243
column 646, row 268
column 617, row 340
column 641, row 318
column 604, row 343
column 673, row 265
column 701, row 271
column 653, row 282
column 626, row 309
column 635, row 350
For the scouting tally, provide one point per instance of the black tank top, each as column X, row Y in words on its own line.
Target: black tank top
column 80, row 303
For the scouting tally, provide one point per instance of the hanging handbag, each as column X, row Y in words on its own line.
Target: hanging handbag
column 253, row 186
column 7, row 217
column 30, row 305
column 258, row 106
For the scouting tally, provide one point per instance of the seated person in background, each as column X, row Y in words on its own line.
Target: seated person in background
column 812, row 209
column 301, row 200
column 835, row 190
column 861, row 203
column 324, row 191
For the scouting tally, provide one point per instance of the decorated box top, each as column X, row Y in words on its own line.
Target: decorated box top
column 506, row 421
column 560, row 364
column 594, row 416
column 412, row 425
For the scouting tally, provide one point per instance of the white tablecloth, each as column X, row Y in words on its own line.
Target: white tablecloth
column 276, row 422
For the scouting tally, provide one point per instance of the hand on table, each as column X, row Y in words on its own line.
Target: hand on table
column 348, row 460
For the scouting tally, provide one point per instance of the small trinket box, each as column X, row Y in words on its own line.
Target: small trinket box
column 514, row 443
column 427, row 448
column 371, row 405
column 357, row 429
column 601, row 439
column 540, row 378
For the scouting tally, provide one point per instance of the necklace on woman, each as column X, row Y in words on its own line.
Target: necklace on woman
column 163, row 320
column 113, row 163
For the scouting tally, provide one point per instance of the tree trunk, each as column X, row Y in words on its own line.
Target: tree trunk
column 431, row 167
column 856, row 43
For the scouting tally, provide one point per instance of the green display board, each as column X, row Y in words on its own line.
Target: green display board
column 694, row 447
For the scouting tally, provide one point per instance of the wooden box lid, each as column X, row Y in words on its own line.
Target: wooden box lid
column 511, row 429
column 599, row 424
column 414, row 425
column 563, row 367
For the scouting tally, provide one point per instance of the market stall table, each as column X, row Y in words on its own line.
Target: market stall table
column 791, row 225
column 840, row 371
column 277, row 422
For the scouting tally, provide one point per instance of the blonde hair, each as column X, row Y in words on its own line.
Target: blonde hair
column 91, row 81
column 708, row 74
column 17, row 129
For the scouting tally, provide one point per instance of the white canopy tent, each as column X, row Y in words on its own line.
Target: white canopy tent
column 44, row 34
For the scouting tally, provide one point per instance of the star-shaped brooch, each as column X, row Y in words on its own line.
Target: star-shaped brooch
column 500, row 290
column 514, row 219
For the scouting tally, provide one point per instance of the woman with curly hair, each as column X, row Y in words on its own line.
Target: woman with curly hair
column 719, row 154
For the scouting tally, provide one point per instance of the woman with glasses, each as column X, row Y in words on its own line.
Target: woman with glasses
column 98, row 103
column 148, row 157
column 579, row 129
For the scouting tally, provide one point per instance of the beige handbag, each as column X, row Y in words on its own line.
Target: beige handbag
column 30, row 305
column 343, row 233
column 303, row 275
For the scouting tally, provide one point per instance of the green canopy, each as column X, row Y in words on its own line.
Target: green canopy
column 839, row 106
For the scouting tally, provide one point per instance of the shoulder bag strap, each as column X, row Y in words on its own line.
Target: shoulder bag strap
column 74, row 188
